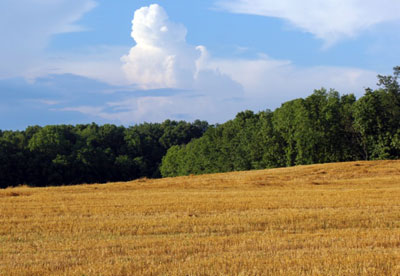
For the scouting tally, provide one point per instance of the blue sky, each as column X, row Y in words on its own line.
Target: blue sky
column 78, row 61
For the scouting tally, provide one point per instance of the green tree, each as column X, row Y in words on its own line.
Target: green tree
column 377, row 119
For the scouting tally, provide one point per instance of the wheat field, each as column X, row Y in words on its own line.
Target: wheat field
column 332, row 219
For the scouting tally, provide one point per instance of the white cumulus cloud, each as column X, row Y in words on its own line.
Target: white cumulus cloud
column 161, row 57
column 330, row 20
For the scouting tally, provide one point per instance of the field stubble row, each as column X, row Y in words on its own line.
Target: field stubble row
column 334, row 219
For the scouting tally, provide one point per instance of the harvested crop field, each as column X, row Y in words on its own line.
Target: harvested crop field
column 332, row 219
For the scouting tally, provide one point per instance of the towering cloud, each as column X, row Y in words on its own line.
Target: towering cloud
column 213, row 89
column 330, row 20
column 161, row 57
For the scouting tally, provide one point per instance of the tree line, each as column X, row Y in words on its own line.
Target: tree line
column 88, row 153
column 324, row 127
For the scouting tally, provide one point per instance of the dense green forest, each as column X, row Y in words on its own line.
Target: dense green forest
column 324, row 127
column 65, row 154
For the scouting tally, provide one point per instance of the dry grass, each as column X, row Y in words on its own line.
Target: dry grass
column 335, row 219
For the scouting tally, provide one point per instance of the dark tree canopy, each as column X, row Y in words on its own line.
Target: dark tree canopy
column 65, row 154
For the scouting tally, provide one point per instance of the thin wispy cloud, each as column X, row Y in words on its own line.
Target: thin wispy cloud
column 26, row 27
column 101, row 63
column 329, row 20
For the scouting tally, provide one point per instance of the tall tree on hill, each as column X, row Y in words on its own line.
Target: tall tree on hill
column 377, row 119
column 286, row 122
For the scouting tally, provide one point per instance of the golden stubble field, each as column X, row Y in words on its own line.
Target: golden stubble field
column 334, row 219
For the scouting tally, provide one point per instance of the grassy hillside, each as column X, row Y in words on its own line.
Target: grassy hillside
column 334, row 219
